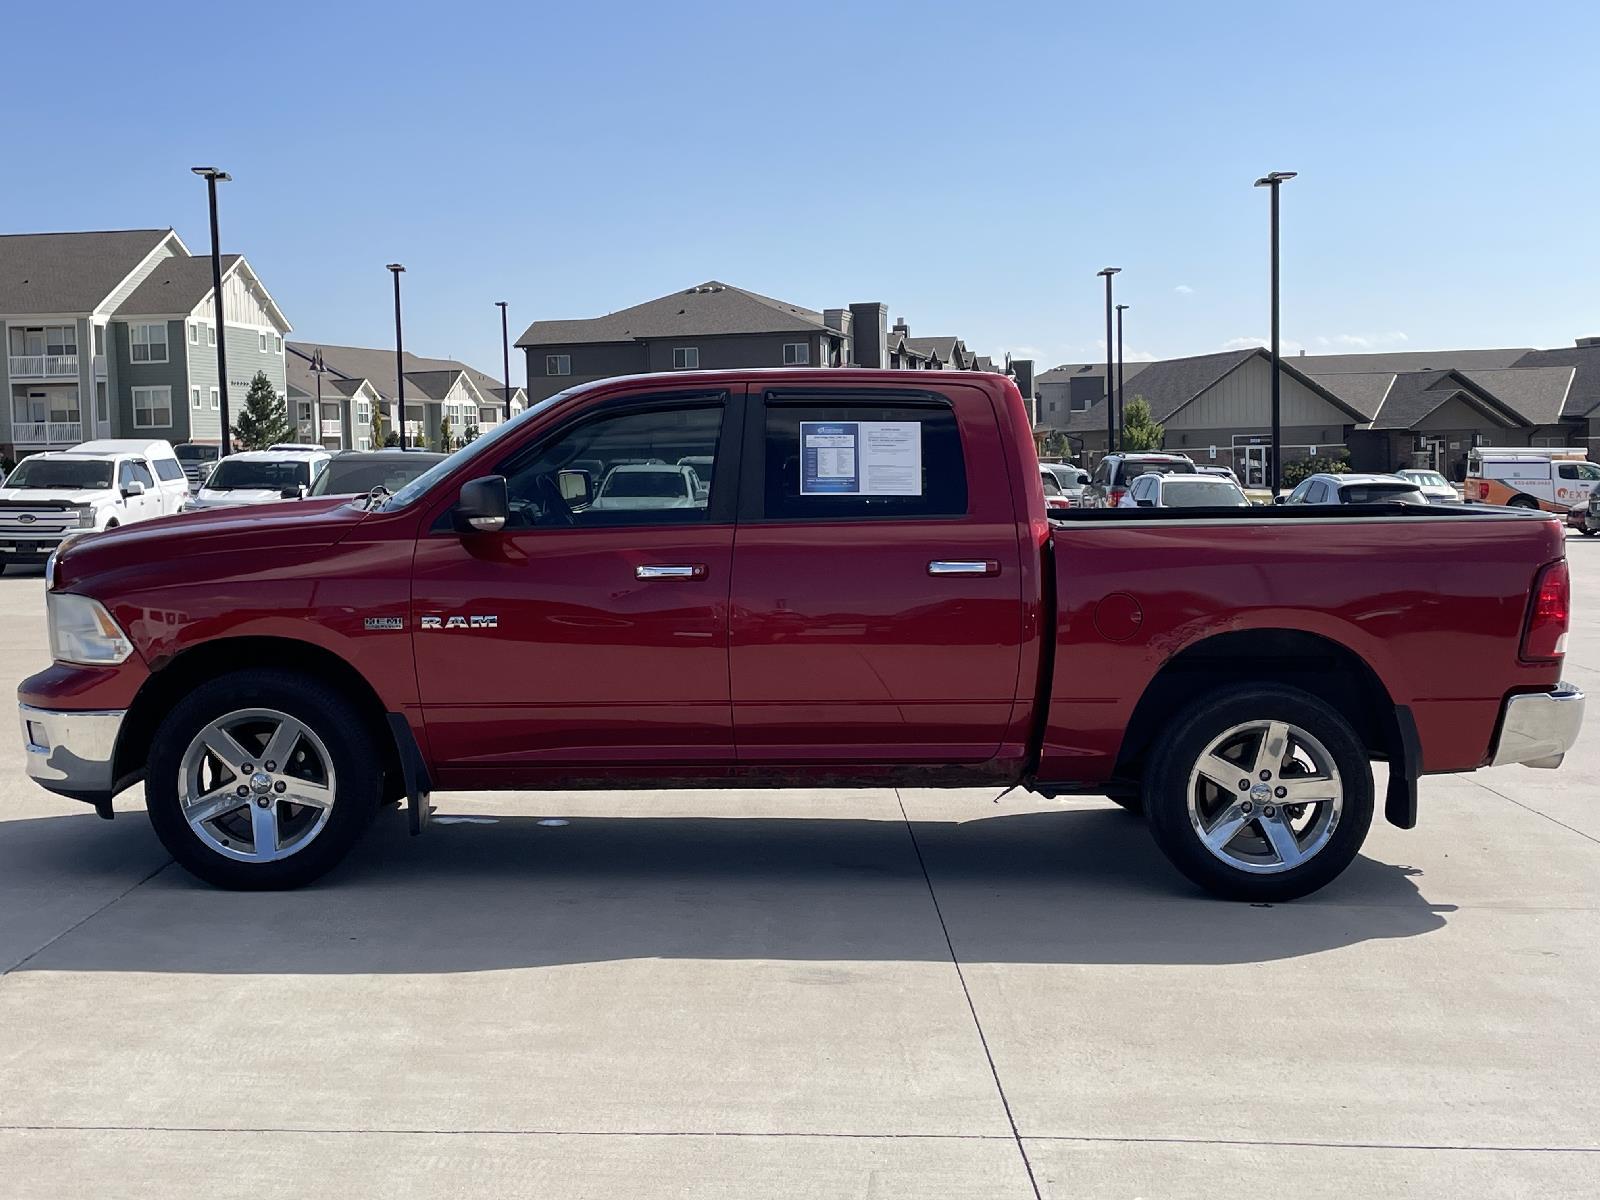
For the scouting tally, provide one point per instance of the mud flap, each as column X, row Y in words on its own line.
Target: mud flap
column 1405, row 765
column 413, row 772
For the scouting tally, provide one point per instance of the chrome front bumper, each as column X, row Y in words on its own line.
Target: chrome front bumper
column 1540, row 727
column 72, row 753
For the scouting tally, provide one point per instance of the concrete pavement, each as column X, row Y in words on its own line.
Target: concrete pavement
column 871, row 994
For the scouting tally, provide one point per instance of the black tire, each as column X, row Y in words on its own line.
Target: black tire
column 350, row 743
column 1134, row 803
column 1522, row 502
column 1166, row 790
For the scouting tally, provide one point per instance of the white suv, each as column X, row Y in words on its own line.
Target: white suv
column 259, row 477
column 98, row 485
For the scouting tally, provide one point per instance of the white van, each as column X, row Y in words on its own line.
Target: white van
column 259, row 477
column 1553, row 478
column 96, row 486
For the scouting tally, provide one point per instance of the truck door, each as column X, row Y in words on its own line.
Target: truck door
column 583, row 636
column 876, row 602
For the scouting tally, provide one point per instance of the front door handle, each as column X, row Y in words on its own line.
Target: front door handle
column 964, row 567
column 686, row 571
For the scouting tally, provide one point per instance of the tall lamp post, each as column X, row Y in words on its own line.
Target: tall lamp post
column 1274, row 181
column 1111, row 415
column 399, row 359
column 213, row 176
column 1122, row 399
column 318, row 368
column 505, row 351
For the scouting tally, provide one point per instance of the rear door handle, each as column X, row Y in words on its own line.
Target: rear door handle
column 964, row 567
column 685, row 571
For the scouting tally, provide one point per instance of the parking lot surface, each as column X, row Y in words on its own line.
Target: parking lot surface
column 748, row 994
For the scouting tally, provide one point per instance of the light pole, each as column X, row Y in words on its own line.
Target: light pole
column 399, row 359
column 1111, row 415
column 1274, row 181
column 213, row 176
column 317, row 368
column 1122, row 399
column 505, row 351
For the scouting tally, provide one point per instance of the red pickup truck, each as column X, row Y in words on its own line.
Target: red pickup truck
column 859, row 586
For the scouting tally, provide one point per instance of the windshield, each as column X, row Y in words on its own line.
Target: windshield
column 356, row 477
column 60, row 473
column 1202, row 492
column 232, row 473
column 1426, row 478
column 196, row 453
column 652, row 484
column 1381, row 493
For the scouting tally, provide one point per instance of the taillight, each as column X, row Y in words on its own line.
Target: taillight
column 1549, row 615
column 1115, row 496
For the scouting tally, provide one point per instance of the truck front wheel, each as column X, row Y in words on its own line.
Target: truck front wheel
column 262, row 779
column 1259, row 793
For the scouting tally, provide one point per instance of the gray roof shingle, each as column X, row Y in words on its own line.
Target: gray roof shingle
column 1583, row 398
column 1535, row 393
column 174, row 287
column 706, row 310
column 51, row 273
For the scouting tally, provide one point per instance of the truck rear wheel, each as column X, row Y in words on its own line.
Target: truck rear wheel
column 1522, row 502
column 1260, row 793
column 262, row 779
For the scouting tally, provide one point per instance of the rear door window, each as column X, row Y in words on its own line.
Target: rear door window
column 168, row 468
column 846, row 461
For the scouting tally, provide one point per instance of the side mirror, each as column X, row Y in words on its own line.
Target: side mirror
column 135, row 488
column 577, row 487
column 298, row 492
column 1280, row 499
column 1145, row 503
column 484, row 505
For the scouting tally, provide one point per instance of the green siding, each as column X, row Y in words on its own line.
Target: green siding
column 244, row 360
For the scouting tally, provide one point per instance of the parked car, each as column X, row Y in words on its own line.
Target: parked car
column 259, row 477
column 1225, row 472
column 638, row 486
column 358, row 472
column 197, row 459
column 1115, row 473
column 94, row 486
column 1354, row 489
column 914, row 619
column 1184, row 491
column 1055, row 501
column 1553, row 478
column 1433, row 485
column 1585, row 517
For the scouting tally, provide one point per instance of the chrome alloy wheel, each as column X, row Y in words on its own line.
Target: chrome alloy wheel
column 1265, row 797
column 256, row 785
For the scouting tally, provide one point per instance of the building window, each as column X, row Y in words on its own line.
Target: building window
column 685, row 358
column 152, row 407
column 194, row 398
column 263, row 340
column 194, row 334
column 61, row 339
column 305, row 410
column 211, row 335
column 277, row 344
column 215, row 399
column 558, row 364
column 796, row 354
column 148, row 343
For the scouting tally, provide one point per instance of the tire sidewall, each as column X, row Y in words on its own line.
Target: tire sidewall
column 325, row 712
column 1167, row 781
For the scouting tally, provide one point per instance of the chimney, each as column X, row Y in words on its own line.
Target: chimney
column 1587, row 343
column 870, row 334
column 901, row 327
column 1022, row 373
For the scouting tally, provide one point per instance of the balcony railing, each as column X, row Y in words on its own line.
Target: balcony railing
column 47, row 433
column 44, row 366
column 333, row 428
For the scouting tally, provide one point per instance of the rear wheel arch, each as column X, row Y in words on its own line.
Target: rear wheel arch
column 212, row 660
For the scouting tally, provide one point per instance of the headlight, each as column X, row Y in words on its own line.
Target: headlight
column 82, row 631
column 86, row 518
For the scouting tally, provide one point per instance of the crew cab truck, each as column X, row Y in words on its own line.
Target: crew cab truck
column 871, row 594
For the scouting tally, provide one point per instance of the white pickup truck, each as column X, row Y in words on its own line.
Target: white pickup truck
column 95, row 486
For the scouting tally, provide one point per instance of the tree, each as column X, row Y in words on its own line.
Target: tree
column 391, row 439
column 378, row 423
column 1139, row 428
column 1299, row 470
column 264, row 419
column 444, row 436
column 472, row 434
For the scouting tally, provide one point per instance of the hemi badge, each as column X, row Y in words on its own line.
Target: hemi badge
column 385, row 622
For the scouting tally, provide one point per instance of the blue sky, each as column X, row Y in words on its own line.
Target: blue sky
column 971, row 166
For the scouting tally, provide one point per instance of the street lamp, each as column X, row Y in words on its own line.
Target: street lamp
column 505, row 350
column 399, row 358
column 213, row 176
column 1122, row 399
column 1274, row 181
column 1111, row 416
column 319, row 368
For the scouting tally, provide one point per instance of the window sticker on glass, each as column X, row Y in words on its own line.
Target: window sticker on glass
column 861, row 458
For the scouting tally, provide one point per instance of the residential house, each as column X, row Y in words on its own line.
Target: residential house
column 113, row 334
column 717, row 325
